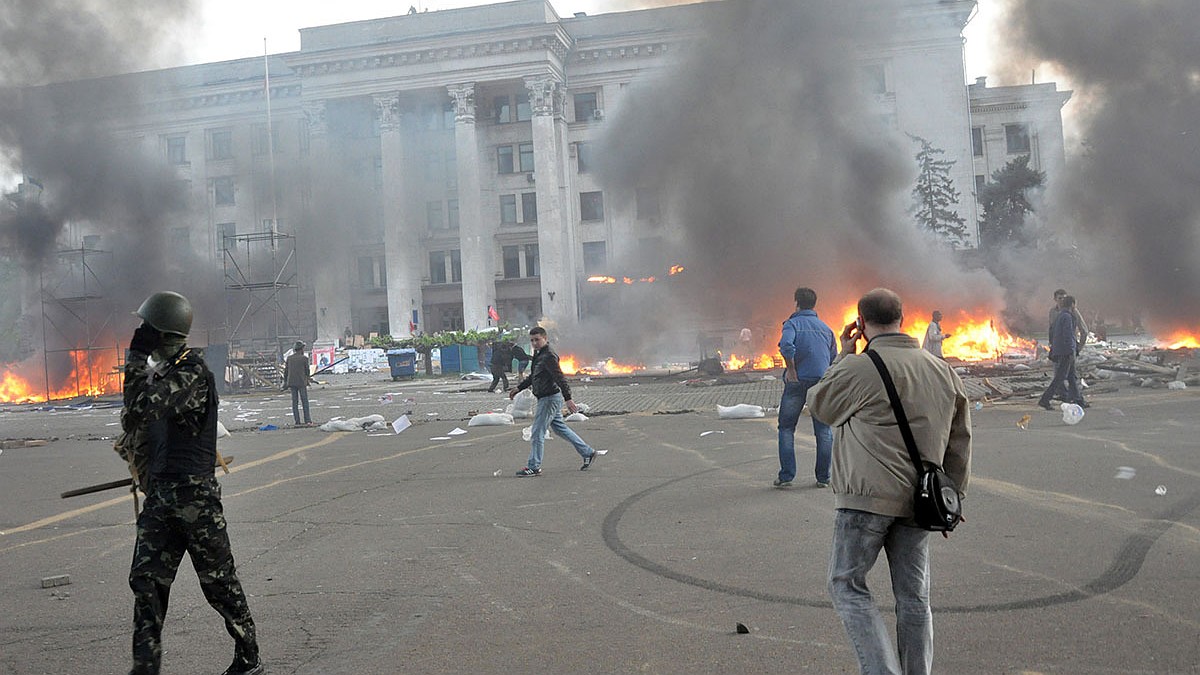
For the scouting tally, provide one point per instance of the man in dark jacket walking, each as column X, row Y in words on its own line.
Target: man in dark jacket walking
column 1064, row 346
column 169, row 437
column 552, row 392
column 296, row 377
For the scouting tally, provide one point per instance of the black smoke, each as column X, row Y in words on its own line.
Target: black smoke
column 1128, row 199
column 64, row 68
column 762, row 142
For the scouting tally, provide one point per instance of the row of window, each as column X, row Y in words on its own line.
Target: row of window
column 519, row 261
column 591, row 207
column 218, row 144
column 1016, row 139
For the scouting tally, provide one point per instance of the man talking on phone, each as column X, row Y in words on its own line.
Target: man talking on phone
column 807, row 347
column 874, row 479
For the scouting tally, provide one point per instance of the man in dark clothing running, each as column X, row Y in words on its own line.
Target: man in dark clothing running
column 169, row 438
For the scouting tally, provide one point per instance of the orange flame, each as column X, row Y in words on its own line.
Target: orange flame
column 1182, row 339
column 569, row 363
column 675, row 269
column 763, row 361
column 602, row 280
column 972, row 338
column 93, row 373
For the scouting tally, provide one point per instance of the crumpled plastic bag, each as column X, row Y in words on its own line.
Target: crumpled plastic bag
column 527, row 433
column 522, row 405
column 1072, row 413
column 490, row 420
column 1176, row 385
column 740, row 411
column 576, row 417
column 368, row 423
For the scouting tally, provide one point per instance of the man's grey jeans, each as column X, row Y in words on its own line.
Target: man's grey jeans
column 858, row 537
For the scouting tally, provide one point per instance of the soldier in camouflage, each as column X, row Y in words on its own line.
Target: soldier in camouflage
column 169, row 438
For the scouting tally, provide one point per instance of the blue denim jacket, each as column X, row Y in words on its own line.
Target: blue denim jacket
column 809, row 343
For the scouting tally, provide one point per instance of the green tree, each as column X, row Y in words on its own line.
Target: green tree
column 1004, row 202
column 935, row 199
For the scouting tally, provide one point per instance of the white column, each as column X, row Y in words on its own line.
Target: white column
column 556, row 229
column 475, row 240
column 330, row 269
column 401, row 234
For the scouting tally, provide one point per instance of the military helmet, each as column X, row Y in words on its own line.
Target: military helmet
column 167, row 312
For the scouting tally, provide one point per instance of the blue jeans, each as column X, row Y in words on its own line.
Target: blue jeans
column 549, row 415
column 857, row 538
column 300, row 394
column 794, row 396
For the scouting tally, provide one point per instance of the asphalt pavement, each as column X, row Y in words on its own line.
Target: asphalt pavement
column 377, row 552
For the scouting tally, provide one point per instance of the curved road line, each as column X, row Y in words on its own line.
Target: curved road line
column 1125, row 566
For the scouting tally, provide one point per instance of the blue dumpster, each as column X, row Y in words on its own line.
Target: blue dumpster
column 402, row 362
column 460, row 359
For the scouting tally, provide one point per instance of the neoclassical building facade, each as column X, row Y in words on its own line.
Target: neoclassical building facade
column 437, row 169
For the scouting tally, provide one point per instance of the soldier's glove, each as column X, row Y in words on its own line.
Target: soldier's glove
column 145, row 339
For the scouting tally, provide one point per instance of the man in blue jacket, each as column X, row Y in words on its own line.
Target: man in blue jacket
column 1064, row 346
column 808, row 347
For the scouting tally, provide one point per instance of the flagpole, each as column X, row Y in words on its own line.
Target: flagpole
column 270, row 146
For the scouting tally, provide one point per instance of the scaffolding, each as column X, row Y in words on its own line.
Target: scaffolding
column 262, row 295
column 81, row 354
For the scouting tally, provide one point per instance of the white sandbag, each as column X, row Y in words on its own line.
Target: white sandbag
column 354, row 423
column 490, row 420
column 522, row 405
column 576, row 417
column 740, row 411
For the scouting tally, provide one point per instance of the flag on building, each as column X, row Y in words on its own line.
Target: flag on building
column 493, row 314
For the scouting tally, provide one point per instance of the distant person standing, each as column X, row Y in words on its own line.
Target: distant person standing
column 934, row 336
column 296, row 378
column 552, row 392
column 1064, row 347
column 808, row 347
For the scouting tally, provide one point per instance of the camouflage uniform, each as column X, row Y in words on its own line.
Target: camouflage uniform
column 169, row 425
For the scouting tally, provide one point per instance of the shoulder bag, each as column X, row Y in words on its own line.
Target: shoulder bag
column 936, row 505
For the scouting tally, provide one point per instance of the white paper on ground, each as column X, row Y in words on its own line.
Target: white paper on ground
column 576, row 417
column 705, row 433
column 440, row 438
column 456, row 432
column 401, row 423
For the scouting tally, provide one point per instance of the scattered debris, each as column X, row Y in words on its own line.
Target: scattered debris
column 1161, row 490
column 706, row 433
column 457, row 431
column 10, row 443
column 1023, row 423
column 401, row 423
column 57, row 580
column 1125, row 472
column 368, row 423
column 742, row 629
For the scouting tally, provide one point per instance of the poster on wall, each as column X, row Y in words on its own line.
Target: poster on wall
column 322, row 356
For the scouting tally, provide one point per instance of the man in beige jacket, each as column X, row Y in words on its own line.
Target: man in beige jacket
column 874, row 479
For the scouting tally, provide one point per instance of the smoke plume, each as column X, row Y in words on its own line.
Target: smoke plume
column 1129, row 198
column 61, row 66
column 762, row 144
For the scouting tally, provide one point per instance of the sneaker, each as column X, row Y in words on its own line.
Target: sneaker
column 529, row 472
column 822, row 485
column 237, row 668
column 782, row 483
column 587, row 461
column 1045, row 406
